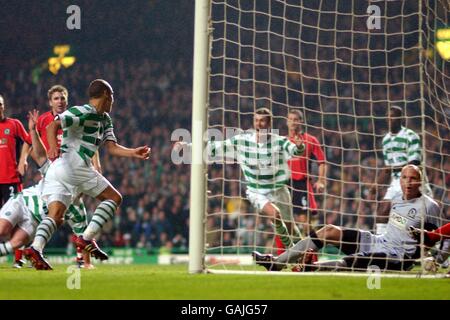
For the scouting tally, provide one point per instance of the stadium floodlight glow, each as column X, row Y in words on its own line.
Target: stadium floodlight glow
column 55, row 63
column 443, row 43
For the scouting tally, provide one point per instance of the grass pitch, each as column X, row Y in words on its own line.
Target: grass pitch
column 152, row 282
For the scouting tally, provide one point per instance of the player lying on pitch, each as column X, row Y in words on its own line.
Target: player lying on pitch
column 396, row 249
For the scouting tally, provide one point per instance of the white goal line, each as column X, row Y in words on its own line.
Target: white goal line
column 327, row 274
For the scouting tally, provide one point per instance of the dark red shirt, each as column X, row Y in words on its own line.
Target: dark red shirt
column 10, row 130
column 299, row 165
column 43, row 121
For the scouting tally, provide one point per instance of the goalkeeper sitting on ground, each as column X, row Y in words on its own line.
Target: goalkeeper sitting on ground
column 396, row 249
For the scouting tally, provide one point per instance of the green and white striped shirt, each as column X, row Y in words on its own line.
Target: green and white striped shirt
column 84, row 130
column 264, row 164
column 37, row 208
column 401, row 148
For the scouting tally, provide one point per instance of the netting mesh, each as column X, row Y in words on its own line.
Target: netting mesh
column 320, row 57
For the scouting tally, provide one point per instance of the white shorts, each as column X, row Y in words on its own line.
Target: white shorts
column 16, row 212
column 69, row 176
column 395, row 190
column 369, row 242
column 281, row 198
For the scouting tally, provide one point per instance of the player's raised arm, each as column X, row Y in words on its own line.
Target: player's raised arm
column 116, row 149
column 38, row 152
column 52, row 132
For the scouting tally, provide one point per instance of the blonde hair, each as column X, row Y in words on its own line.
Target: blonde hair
column 57, row 88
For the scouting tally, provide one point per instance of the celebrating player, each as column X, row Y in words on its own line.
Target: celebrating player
column 263, row 157
column 394, row 250
column 85, row 129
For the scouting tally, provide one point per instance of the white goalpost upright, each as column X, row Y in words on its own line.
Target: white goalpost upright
column 342, row 64
column 199, row 113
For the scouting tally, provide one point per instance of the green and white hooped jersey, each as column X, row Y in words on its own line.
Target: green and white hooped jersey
column 264, row 165
column 84, row 130
column 32, row 199
column 401, row 148
column 75, row 215
column 37, row 208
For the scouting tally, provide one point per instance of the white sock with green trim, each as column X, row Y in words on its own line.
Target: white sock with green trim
column 104, row 213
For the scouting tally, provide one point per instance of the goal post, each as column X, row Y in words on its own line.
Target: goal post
column 342, row 64
column 199, row 114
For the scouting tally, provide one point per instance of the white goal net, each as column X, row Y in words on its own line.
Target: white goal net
column 343, row 64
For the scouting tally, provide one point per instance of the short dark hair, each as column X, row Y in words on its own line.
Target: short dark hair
column 98, row 87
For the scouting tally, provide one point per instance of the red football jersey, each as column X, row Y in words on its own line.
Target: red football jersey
column 10, row 130
column 299, row 165
column 43, row 121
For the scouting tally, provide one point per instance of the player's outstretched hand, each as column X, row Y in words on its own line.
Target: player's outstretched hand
column 142, row 152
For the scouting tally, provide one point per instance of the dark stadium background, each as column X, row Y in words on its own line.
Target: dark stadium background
column 144, row 49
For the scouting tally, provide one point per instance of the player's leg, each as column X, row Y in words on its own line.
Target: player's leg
column 282, row 200
column 19, row 238
column 18, row 255
column 281, row 230
column 57, row 204
column 6, row 192
column 5, row 232
column 110, row 200
column 49, row 224
column 264, row 206
column 359, row 262
column 5, row 228
column 329, row 234
column 76, row 217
